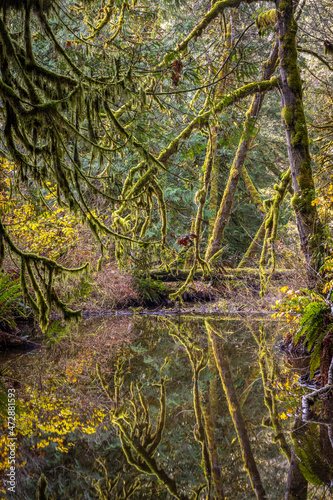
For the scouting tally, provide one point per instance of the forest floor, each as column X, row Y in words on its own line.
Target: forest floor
column 114, row 292
column 111, row 290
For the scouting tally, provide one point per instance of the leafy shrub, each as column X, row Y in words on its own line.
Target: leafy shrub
column 308, row 313
column 312, row 326
column 151, row 292
column 10, row 293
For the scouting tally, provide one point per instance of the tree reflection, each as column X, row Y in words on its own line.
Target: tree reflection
column 222, row 363
column 196, row 409
column 142, row 442
column 204, row 432
column 209, row 361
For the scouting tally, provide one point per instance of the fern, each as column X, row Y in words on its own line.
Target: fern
column 152, row 292
column 312, row 326
column 312, row 463
column 10, row 292
column 311, row 322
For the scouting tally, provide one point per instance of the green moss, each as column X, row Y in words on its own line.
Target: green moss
column 283, row 5
column 287, row 115
column 296, row 200
column 266, row 19
column 289, row 57
column 268, row 260
column 295, row 120
column 267, row 204
column 294, row 80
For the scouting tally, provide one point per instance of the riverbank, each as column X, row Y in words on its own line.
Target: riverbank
column 112, row 290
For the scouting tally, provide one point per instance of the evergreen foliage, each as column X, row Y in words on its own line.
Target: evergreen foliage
column 312, row 327
column 10, row 293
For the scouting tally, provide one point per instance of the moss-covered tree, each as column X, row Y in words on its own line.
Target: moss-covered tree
column 309, row 226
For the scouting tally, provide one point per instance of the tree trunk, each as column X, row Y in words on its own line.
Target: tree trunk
column 297, row 485
column 308, row 224
column 214, row 185
column 249, row 132
column 268, row 257
column 209, row 410
column 228, row 40
column 236, row 413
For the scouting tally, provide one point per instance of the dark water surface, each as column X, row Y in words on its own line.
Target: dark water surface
column 162, row 407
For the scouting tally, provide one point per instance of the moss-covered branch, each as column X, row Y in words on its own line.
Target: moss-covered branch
column 316, row 55
column 202, row 119
column 41, row 273
column 268, row 258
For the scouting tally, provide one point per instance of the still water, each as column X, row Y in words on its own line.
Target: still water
column 158, row 408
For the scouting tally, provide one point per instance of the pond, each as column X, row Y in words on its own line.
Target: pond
column 160, row 407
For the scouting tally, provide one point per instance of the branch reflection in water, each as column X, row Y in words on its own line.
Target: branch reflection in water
column 187, row 408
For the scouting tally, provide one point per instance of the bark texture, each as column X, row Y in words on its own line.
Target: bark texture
column 309, row 227
column 249, row 132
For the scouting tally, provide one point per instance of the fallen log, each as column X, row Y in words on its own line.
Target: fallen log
column 8, row 341
column 222, row 274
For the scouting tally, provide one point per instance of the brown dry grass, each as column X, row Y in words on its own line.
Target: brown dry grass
column 114, row 289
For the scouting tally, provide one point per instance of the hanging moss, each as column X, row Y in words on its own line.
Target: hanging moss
column 266, row 19
column 37, row 281
column 161, row 204
column 200, row 199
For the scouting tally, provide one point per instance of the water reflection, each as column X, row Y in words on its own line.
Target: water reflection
column 137, row 407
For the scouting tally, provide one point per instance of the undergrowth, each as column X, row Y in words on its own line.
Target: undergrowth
column 309, row 316
column 151, row 292
column 10, row 300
